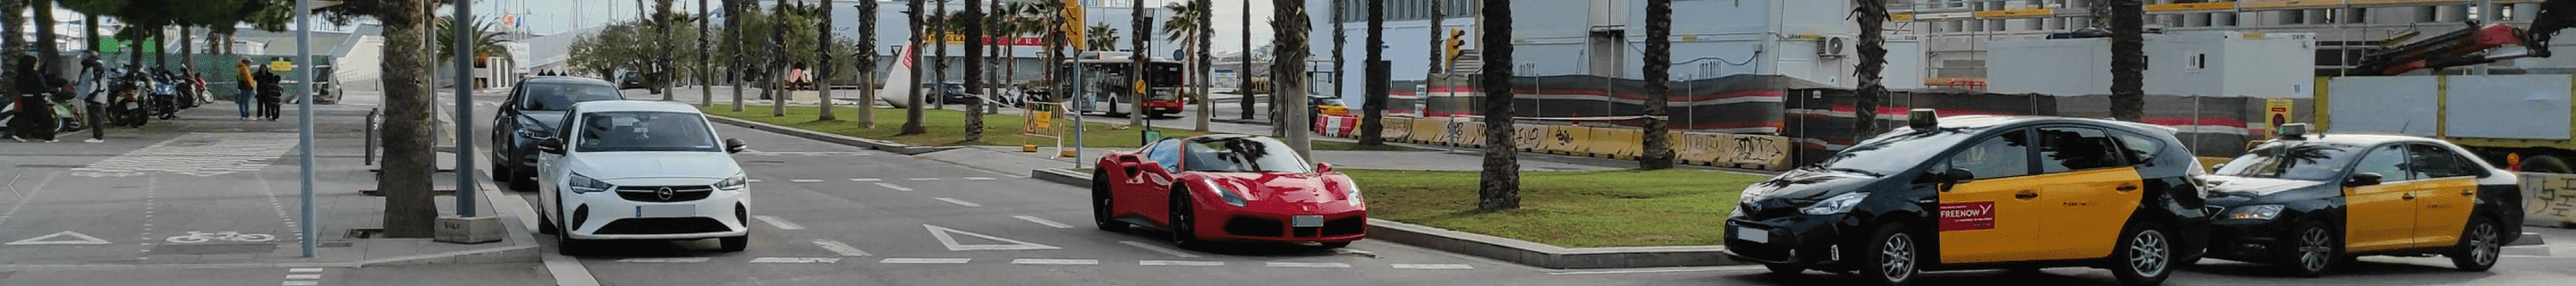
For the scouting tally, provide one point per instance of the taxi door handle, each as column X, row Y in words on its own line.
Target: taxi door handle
column 2026, row 194
column 2125, row 188
column 2409, row 196
column 2469, row 192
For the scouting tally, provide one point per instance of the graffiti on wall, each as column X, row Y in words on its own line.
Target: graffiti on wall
column 2548, row 199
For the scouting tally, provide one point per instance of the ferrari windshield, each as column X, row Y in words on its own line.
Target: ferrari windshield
column 2294, row 160
column 1243, row 154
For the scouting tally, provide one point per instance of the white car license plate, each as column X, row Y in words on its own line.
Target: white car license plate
column 666, row 211
column 1753, row 235
column 1306, row 221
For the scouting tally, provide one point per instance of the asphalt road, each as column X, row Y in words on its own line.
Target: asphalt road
column 827, row 214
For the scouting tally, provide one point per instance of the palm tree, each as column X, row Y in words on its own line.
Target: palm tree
column 1499, row 187
column 741, row 70
column 2128, row 62
column 822, row 68
column 941, row 25
column 777, row 60
column 1658, row 153
column 1206, row 27
column 1289, row 90
column 1873, row 60
column 912, row 106
column 1102, row 38
column 1243, row 72
column 485, row 41
column 1050, row 14
column 1140, row 59
column 1373, row 110
column 706, row 66
column 662, row 65
column 1183, row 28
column 974, row 20
column 867, row 62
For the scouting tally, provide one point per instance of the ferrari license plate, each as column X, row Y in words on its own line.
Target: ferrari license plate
column 1306, row 221
column 666, row 211
column 1753, row 234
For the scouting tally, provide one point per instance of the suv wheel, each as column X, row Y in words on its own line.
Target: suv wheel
column 2145, row 255
column 1894, row 261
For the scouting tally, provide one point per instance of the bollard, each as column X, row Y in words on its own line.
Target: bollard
column 371, row 137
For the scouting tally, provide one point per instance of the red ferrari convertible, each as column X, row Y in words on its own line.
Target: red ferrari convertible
column 1227, row 188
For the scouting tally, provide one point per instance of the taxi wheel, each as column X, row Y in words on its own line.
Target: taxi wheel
column 1894, row 263
column 2317, row 250
column 2480, row 245
column 1100, row 204
column 2145, row 255
column 1785, row 269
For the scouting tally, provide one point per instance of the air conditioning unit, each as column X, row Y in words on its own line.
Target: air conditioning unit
column 1832, row 46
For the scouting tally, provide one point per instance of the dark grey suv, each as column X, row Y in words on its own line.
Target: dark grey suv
column 535, row 108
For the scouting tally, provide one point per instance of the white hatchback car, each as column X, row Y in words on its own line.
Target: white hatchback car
column 641, row 170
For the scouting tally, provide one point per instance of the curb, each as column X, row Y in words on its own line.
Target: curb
column 1241, row 121
column 1505, row 249
column 882, row 145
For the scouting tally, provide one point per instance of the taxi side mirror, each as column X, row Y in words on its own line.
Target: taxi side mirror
column 735, row 145
column 2362, row 179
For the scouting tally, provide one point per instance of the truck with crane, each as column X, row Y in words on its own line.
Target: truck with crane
column 2522, row 121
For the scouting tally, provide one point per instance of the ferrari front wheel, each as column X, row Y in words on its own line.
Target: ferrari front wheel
column 1101, row 204
column 1184, row 218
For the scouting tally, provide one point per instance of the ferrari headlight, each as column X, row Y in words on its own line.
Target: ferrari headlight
column 583, row 184
column 735, row 183
column 1354, row 191
column 1838, row 204
column 1222, row 192
column 2254, row 212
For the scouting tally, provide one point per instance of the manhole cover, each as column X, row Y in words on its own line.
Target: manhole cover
column 215, row 248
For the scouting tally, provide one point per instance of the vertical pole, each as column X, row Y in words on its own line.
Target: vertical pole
column 464, row 26
column 304, row 123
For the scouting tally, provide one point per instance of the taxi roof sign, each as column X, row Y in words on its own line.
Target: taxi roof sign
column 2294, row 131
column 1922, row 118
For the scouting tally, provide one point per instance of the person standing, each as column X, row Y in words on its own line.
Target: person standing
column 243, row 88
column 35, row 119
column 92, row 88
column 270, row 94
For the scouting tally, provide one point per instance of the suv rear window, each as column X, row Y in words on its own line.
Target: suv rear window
column 560, row 97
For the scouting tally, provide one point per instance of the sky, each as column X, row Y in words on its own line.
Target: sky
column 556, row 16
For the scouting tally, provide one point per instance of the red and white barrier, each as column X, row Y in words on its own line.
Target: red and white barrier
column 1336, row 125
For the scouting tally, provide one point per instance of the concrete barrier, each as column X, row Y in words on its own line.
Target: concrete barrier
column 1395, row 129
column 1567, row 140
column 2548, row 199
column 1467, row 134
column 1529, row 138
column 1430, row 131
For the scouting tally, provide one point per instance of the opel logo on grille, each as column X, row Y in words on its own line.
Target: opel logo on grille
column 664, row 193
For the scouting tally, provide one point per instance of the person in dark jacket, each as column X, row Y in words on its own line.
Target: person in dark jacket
column 35, row 119
column 270, row 94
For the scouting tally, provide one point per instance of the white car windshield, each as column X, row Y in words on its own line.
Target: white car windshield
column 644, row 131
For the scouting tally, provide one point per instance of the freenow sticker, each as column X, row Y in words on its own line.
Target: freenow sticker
column 1967, row 216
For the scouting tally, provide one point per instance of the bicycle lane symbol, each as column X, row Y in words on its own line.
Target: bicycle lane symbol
column 194, row 237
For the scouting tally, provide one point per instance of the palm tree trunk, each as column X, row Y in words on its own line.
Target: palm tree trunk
column 2128, row 62
column 741, row 69
column 662, row 64
column 1141, row 58
column 974, row 20
column 1373, row 108
column 822, row 68
column 911, row 54
column 408, row 162
column 946, row 24
column 1658, row 152
column 45, row 47
column 1499, row 187
column 866, row 59
column 777, row 60
column 1207, row 106
column 1291, row 26
column 706, row 66
column 1243, row 72
column 15, row 46
column 1873, row 61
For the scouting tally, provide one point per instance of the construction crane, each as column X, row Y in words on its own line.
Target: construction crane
column 2470, row 46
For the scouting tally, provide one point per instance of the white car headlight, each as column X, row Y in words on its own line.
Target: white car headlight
column 736, row 183
column 2254, row 212
column 584, row 184
column 1838, row 204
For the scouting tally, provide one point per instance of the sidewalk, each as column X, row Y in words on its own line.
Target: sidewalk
column 169, row 194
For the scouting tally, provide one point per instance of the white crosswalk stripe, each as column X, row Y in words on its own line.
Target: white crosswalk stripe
column 1179, row 263
column 925, row 260
column 1433, row 266
column 665, row 260
column 796, row 260
column 1309, row 264
column 1043, row 261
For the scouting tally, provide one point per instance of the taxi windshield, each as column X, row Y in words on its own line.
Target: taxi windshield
column 1895, row 151
column 2293, row 160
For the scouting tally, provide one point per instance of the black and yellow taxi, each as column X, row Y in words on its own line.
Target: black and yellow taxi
column 2308, row 202
column 1982, row 192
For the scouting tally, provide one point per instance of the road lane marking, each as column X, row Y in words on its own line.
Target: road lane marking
column 979, row 178
column 942, row 234
column 304, row 276
column 1663, row 270
column 665, row 260
column 1158, row 249
column 924, row 260
column 74, row 238
column 796, row 260
column 959, row 202
column 778, row 222
column 1310, row 264
column 866, row 180
column 1043, row 221
column 1179, row 263
column 892, row 186
column 1434, row 266
column 304, row 270
column 1043, row 261
column 301, row 283
column 805, row 180
column 925, row 179
column 838, row 247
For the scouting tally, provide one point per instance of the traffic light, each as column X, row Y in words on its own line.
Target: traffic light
column 1452, row 49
